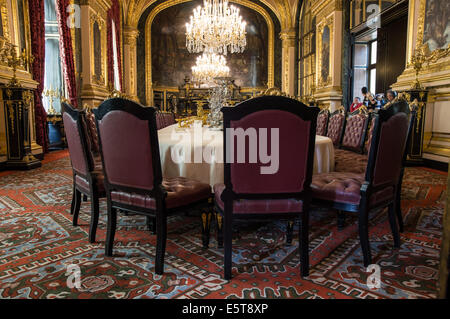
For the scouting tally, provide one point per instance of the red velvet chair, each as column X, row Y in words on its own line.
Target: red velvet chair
column 322, row 122
column 355, row 132
column 349, row 157
column 378, row 186
column 87, row 175
column 164, row 119
column 336, row 126
column 283, row 193
column 129, row 149
column 351, row 162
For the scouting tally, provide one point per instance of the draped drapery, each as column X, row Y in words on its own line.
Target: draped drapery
column 66, row 50
column 37, row 31
column 114, row 17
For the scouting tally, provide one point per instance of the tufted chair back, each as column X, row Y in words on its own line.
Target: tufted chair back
column 164, row 119
column 77, row 140
column 355, row 132
column 285, row 129
column 92, row 132
column 335, row 127
column 128, row 145
column 388, row 145
column 322, row 122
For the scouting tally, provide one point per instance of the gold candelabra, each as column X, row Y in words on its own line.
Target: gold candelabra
column 51, row 94
column 10, row 58
column 422, row 56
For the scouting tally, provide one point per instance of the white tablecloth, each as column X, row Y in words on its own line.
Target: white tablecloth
column 204, row 148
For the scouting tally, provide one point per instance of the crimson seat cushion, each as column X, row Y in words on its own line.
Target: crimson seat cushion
column 83, row 183
column 348, row 161
column 345, row 188
column 180, row 192
column 260, row 206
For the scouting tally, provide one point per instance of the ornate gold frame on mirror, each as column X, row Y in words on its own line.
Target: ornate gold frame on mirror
column 18, row 31
column 148, row 43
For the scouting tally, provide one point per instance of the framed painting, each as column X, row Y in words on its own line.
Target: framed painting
column 324, row 47
column 434, row 24
column 325, row 63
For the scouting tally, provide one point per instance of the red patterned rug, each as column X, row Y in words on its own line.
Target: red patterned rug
column 38, row 243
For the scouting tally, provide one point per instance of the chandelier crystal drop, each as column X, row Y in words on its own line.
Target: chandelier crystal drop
column 216, row 28
column 210, row 66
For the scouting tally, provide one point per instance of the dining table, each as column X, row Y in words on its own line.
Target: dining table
column 196, row 152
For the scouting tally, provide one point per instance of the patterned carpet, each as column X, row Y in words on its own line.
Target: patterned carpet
column 38, row 242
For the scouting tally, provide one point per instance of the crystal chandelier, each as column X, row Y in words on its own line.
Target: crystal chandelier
column 210, row 66
column 216, row 28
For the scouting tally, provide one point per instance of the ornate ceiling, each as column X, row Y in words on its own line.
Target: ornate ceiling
column 285, row 10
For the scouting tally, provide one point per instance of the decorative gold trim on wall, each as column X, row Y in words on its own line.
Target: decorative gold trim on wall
column 420, row 23
column 101, row 21
column 5, row 19
column 167, row 4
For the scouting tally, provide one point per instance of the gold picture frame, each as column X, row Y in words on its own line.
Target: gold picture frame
column 96, row 18
column 4, row 20
column 421, row 26
column 326, row 22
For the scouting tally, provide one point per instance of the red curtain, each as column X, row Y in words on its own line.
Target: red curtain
column 114, row 15
column 37, row 30
column 66, row 49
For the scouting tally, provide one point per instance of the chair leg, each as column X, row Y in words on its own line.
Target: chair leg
column 206, row 226
column 111, row 230
column 341, row 220
column 151, row 224
column 289, row 232
column 72, row 205
column 304, row 244
column 161, row 238
column 398, row 209
column 363, row 224
column 393, row 222
column 219, row 224
column 228, row 237
column 76, row 206
column 95, row 211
